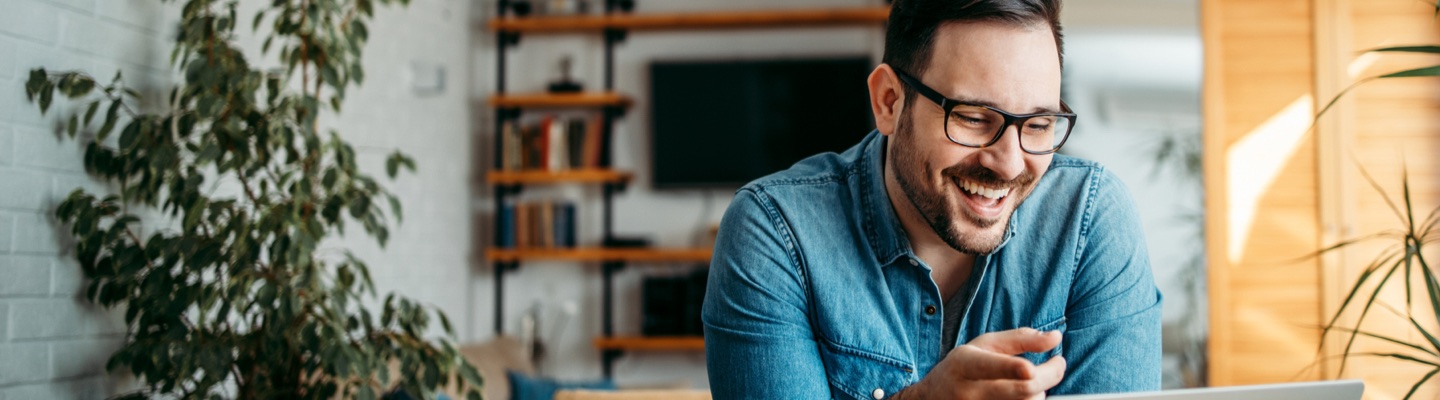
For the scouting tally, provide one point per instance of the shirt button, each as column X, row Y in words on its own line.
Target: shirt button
column 913, row 262
column 929, row 310
column 878, row 393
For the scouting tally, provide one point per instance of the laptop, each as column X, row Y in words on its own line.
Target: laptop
column 1320, row 390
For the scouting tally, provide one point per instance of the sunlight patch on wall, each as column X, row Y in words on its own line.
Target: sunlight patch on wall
column 1254, row 162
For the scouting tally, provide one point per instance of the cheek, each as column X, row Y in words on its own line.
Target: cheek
column 1038, row 165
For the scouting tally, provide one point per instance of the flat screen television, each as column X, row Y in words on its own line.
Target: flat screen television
column 720, row 124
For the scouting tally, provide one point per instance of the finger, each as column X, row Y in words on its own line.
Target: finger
column 1016, row 341
column 1010, row 389
column 1046, row 376
column 1049, row 373
column 979, row 364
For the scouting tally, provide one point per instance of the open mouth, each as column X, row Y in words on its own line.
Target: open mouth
column 984, row 201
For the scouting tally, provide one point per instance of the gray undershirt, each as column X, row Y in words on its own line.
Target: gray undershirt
column 954, row 309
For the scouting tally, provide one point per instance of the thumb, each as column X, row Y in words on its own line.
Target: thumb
column 1016, row 341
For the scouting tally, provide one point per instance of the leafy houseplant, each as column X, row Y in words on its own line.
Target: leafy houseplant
column 1405, row 253
column 227, row 292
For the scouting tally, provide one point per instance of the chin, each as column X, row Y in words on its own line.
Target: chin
column 967, row 236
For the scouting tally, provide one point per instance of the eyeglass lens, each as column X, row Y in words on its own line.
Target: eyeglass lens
column 977, row 126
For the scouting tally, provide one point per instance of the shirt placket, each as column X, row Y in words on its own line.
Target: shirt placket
column 928, row 314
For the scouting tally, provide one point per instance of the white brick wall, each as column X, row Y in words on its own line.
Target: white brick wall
column 53, row 344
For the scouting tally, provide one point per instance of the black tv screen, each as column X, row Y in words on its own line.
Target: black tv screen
column 725, row 123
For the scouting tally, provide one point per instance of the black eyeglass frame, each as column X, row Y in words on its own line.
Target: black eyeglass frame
column 947, row 104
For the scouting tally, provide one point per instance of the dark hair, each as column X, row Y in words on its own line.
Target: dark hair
column 910, row 32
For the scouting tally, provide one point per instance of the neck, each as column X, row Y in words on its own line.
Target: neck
column 949, row 267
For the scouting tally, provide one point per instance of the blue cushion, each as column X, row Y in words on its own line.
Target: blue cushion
column 525, row 387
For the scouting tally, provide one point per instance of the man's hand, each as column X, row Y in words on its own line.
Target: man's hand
column 988, row 368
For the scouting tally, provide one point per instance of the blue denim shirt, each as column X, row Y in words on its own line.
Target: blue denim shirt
column 814, row 291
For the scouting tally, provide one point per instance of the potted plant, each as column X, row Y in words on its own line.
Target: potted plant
column 1402, row 262
column 211, row 244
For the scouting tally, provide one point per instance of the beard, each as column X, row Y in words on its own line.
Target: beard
column 943, row 209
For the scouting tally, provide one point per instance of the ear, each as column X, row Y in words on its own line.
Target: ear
column 886, row 98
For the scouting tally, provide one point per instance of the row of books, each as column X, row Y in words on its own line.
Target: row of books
column 552, row 143
column 537, row 224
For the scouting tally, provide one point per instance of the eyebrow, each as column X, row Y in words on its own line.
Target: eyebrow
column 981, row 102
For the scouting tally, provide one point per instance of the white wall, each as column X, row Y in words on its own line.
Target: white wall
column 53, row 344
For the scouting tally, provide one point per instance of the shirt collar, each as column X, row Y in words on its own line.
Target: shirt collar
column 884, row 232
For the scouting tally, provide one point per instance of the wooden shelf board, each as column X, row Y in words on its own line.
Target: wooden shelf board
column 559, row 100
column 650, row 343
column 547, row 176
column 695, row 20
column 601, row 254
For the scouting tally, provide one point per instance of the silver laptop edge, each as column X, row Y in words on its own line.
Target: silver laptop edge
column 1319, row 390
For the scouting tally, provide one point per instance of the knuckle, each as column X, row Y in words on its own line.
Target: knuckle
column 1023, row 389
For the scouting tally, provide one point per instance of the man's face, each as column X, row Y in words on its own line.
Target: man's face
column 967, row 195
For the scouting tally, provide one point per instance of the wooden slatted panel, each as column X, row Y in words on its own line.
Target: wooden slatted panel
column 1263, row 304
column 1259, row 55
column 1394, row 128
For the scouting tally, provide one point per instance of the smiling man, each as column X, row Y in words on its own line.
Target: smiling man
column 951, row 254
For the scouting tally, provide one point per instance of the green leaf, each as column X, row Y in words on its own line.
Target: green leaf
column 471, row 374
column 1422, row 381
column 37, row 81
column 47, row 94
column 445, row 323
column 359, row 205
column 1417, row 72
column 395, row 207
column 1408, row 49
column 90, row 111
column 73, row 125
column 111, row 116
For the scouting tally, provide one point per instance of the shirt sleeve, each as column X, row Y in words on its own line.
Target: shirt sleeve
column 758, row 338
column 1112, row 343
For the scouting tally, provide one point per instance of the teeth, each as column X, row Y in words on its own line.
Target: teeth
column 985, row 192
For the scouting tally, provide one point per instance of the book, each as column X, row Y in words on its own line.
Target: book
column 555, row 145
column 575, row 142
column 522, row 225
column 542, row 147
column 510, row 146
column 591, row 148
column 567, row 227
column 546, row 224
column 505, row 226
column 530, row 147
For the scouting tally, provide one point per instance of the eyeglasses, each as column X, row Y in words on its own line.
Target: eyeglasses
column 977, row 125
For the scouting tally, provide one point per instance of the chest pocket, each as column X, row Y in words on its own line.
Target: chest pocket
column 856, row 374
column 1038, row 358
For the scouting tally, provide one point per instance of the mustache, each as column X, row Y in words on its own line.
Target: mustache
column 986, row 177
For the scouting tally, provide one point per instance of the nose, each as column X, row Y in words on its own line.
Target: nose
column 1005, row 157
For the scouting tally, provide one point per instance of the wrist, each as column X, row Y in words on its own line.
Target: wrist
column 919, row 391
